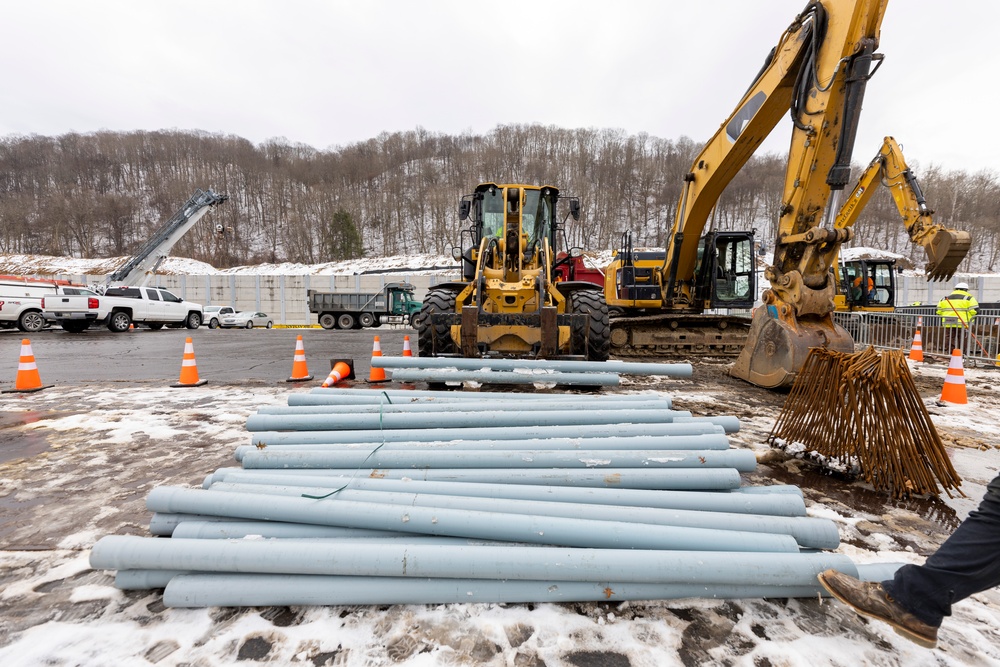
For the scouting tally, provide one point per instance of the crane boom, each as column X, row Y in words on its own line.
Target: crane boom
column 152, row 253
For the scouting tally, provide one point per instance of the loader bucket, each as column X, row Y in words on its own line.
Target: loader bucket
column 775, row 351
column 945, row 252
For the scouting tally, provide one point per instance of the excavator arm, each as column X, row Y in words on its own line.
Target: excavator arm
column 945, row 248
column 726, row 153
column 825, row 107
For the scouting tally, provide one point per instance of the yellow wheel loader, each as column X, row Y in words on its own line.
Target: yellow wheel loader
column 510, row 302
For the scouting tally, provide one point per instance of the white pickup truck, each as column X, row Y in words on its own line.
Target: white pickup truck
column 21, row 300
column 119, row 307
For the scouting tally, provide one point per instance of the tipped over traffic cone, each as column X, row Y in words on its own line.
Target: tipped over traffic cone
column 376, row 374
column 407, row 351
column 189, row 367
column 917, row 349
column 27, row 378
column 300, row 371
column 339, row 372
column 954, row 382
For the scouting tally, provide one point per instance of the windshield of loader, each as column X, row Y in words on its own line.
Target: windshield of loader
column 493, row 213
column 537, row 214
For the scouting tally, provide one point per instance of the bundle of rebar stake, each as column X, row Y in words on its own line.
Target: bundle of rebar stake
column 863, row 409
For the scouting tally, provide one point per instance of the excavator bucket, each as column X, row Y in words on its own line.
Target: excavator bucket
column 945, row 252
column 776, row 351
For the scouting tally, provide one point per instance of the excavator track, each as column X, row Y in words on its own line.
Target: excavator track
column 679, row 335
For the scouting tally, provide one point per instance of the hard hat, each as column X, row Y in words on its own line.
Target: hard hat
column 962, row 286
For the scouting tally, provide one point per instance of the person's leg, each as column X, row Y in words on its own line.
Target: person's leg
column 919, row 596
column 968, row 562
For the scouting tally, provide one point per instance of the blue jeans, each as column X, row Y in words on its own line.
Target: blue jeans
column 968, row 562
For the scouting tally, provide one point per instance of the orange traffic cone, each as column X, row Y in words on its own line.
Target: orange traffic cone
column 339, row 372
column 407, row 352
column 917, row 349
column 189, row 367
column 954, row 382
column 27, row 378
column 300, row 371
column 376, row 374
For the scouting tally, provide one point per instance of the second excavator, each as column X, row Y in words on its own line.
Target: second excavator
column 817, row 74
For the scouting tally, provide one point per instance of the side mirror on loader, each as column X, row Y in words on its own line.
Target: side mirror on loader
column 574, row 208
column 464, row 207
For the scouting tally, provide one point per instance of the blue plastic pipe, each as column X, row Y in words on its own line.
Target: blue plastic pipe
column 565, row 366
column 809, row 532
column 469, row 419
column 711, row 441
column 127, row 552
column 462, row 406
column 505, row 377
column 692, row 479
column 461, row 523
column 404, row 397
column 743, row 460
column 712, row 501
column 270, row 438
column 244, row 590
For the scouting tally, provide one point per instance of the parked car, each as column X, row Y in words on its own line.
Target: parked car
column 246, row 320
column 214, row 315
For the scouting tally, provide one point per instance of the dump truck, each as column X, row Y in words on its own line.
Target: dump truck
column 358, row 310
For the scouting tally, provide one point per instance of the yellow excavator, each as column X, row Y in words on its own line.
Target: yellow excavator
column 817, row 73
column 868, row 284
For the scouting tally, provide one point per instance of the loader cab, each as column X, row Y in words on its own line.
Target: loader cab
column 521, row 217
column 725, row 273
column 866, row 284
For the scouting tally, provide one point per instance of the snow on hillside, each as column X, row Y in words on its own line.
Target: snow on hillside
column 429, row 264
column 46, row 265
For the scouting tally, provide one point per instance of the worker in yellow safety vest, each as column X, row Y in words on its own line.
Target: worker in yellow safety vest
column 957, row 311
column 958, row 308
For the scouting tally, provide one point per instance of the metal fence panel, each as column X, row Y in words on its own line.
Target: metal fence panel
column 979, row 343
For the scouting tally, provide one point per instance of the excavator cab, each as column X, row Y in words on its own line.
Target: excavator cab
column 728, row 279
column 866, row 285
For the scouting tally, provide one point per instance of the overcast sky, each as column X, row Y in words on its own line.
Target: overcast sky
column 330, row 73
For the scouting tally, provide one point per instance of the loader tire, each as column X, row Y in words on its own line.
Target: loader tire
column 434, row 340
column 595, row 339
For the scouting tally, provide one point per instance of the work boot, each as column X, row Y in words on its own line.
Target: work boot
column 868, row 598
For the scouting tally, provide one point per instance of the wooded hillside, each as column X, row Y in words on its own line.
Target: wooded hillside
column 97, row 195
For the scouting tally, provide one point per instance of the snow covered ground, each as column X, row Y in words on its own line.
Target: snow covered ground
column 77, row 462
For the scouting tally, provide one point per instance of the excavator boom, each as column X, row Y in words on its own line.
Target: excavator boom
column 826, row 105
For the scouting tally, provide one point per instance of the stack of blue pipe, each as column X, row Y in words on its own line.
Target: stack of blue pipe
column 362, row 496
